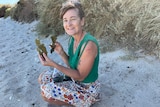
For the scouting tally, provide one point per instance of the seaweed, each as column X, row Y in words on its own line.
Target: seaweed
column 53, row 38
column 40, row 47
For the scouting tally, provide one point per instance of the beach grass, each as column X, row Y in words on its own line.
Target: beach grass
column 129, row 24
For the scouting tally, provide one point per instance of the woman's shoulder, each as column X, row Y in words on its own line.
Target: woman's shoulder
column 91, row 42
column 89, row 37
column 91, row 45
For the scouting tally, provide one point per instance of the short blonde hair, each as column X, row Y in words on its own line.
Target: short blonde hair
column 72, row 4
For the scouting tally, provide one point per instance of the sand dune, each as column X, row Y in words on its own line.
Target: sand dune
column 127, row 81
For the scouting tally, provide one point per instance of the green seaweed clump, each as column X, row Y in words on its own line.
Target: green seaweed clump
column 40, row 47
column 53, row 38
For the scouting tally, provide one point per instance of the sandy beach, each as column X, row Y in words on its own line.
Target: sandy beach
column 127, row 80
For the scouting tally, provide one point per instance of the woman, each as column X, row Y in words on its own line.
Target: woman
column 82, row 63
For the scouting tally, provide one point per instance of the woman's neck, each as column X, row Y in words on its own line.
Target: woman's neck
column 78, row 39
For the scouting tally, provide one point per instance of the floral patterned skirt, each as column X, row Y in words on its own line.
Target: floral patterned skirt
column 71, row 92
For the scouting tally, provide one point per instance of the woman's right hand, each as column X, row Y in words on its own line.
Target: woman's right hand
column 58, row 48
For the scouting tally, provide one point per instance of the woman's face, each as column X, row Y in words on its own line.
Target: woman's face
column 72, row 22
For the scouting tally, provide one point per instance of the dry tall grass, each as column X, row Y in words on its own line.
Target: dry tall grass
column 48, row 12
column 5, row 10
column 133, row 24
column 24, row 11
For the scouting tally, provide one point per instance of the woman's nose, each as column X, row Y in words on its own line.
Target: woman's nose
column 69, row 23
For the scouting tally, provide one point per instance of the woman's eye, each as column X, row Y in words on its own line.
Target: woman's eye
column 64, row 20
column 73, row 19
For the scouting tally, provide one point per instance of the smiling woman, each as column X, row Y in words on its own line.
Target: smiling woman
column 82, row 60
column 8, row 1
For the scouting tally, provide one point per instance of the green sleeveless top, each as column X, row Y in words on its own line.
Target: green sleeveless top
column 74, row 57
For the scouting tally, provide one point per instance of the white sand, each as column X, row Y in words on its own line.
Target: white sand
column 126, row 82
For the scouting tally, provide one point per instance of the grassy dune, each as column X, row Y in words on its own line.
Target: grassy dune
column 130, row 24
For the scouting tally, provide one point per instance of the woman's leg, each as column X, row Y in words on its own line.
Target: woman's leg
column 43, row 79
column 54, row 101
column 40, row 77
column 66, row 93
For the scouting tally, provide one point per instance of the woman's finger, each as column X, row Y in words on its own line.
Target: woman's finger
column 45, row 56
column 57, row 43
column 41, row 58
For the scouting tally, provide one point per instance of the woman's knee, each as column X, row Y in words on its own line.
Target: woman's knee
column 54, row 101
column 40, row 77
column 45, row 98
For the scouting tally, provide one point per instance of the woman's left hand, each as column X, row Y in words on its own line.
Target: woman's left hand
column 45, row 60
